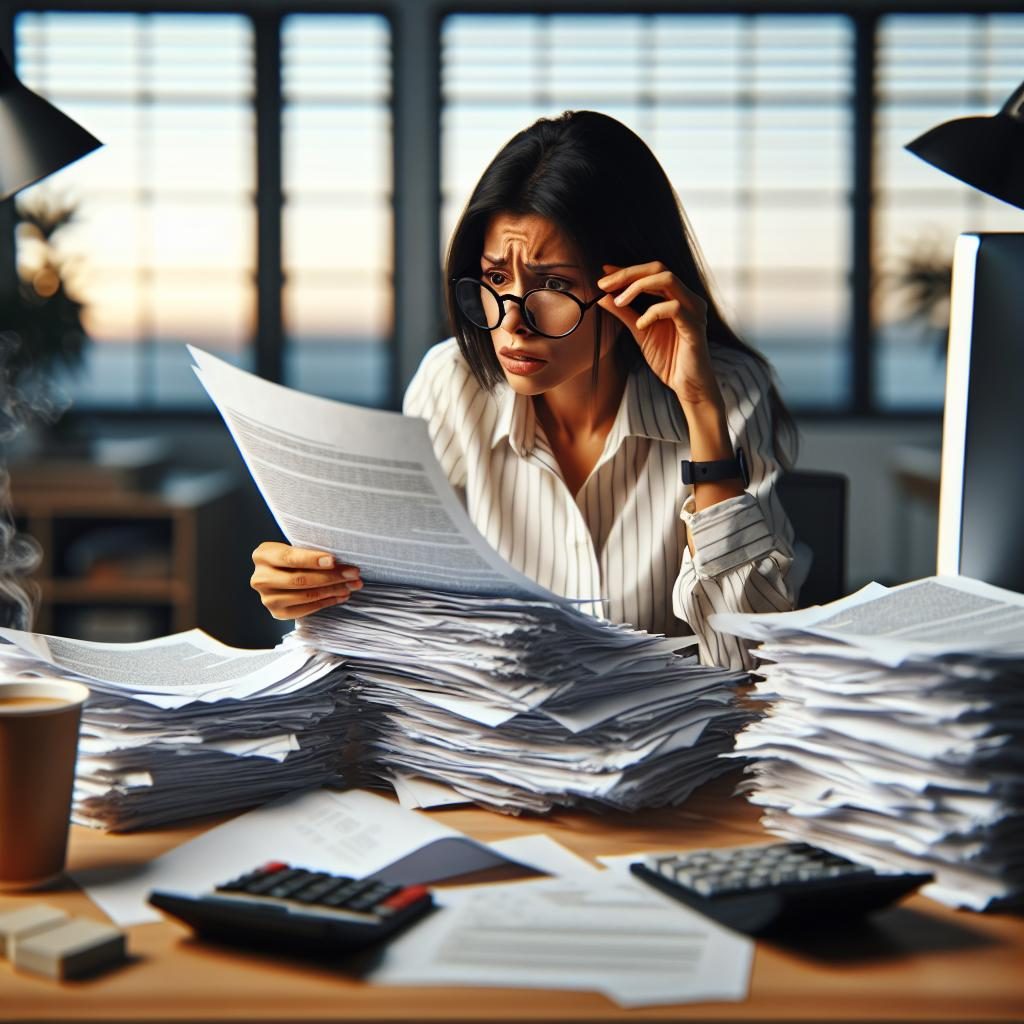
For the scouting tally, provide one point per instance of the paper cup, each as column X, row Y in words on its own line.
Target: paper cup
column 39, row 720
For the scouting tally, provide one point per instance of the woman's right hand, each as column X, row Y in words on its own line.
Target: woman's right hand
column 294, row 582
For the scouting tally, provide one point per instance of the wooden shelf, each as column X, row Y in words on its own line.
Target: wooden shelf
column 75, row 591
column 125, row 562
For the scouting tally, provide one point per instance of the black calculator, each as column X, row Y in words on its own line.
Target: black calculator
column 281, row 907
column 756, row 889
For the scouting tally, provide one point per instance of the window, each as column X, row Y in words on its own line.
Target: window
column 161, row 250
column 749, row 115
column 337, row 213
column 752, row 115
column 931, row 69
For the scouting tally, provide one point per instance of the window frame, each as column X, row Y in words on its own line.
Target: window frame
column 415, row 26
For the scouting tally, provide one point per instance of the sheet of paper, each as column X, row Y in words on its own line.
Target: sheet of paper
column 363, row 484
column 598, row 933
column 187, row 665
column 353, row 833
column 925, row 618
column 414, row 792
column 545, row 854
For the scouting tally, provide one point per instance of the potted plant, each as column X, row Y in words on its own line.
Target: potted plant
column 41, row 331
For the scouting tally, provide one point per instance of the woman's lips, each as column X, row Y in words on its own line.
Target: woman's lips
column 519, row 363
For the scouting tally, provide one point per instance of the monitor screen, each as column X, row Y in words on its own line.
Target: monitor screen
column 981, row 501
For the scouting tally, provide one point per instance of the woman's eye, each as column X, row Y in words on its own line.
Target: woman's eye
column 556, row 284
column 494, row 277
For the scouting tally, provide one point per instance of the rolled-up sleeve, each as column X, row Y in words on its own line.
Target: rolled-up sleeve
column 743, row 546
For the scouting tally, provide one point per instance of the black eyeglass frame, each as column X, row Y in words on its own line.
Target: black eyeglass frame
column 521, row 301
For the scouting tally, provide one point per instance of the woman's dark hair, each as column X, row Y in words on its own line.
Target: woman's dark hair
column 603, row 187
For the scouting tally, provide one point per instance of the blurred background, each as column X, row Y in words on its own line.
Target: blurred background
column 278, row 183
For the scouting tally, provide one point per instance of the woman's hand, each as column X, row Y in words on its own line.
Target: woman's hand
column 672, row 334
column 293, row 582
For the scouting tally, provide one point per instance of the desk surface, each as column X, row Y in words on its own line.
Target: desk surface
column 918, row 961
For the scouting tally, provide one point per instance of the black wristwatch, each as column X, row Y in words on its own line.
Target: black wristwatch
column 719, row 469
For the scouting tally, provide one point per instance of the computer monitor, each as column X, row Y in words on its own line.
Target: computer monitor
column 981, row 498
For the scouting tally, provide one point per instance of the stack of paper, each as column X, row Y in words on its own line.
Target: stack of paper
column 485, row 681
column 185, row 726
column 895, row 732
column 522, row 705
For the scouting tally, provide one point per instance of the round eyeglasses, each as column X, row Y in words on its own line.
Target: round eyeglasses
column 547, row 311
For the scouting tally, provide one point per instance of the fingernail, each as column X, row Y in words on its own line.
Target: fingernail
column 355, row 585
column 350, row 574
column 620, row 299
column 326, row 561
column 602, row 282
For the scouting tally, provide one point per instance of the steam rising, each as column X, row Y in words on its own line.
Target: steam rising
column 33, row 402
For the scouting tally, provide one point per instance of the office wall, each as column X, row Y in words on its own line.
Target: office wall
column 891, row 531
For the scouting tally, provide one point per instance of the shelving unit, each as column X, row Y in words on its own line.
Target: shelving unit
column 125, row 563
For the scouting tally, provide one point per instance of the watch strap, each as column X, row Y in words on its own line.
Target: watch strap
column 717, row 469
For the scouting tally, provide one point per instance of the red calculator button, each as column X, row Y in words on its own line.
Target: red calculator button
column 401, row 900
column 273, row 866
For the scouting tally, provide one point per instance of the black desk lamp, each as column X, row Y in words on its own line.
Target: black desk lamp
column 986, row 152
column 36, row 139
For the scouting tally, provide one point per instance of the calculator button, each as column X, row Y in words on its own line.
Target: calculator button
column 342, row 895
column 239, row 884
column 283, row 890
column 332, row 885
column 361, row 904
column 263, row 883
column 315, row 887
column 403, row 898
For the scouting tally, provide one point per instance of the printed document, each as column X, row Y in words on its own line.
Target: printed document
column 353, row 833
column 363, row 484
column 598, row 932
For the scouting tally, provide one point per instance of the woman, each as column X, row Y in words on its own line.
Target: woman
column 589, row 363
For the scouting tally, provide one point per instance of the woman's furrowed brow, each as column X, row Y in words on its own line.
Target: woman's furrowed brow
column 499, row 261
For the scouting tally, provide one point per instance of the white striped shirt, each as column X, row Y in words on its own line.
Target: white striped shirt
column 623, row 536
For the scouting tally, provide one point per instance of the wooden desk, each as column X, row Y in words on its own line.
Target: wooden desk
column 918, row 961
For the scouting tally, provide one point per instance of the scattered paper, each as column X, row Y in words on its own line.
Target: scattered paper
column 354, row 833
column 544, row 854
column 414, row 793
column 597, row 933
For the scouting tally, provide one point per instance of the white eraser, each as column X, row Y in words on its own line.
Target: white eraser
column 80, row 946
column 26, row 921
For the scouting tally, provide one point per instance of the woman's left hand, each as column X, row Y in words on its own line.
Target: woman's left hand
column 672, row 334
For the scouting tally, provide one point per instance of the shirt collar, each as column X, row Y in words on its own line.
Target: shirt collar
column 648, row 409
column 515, row 420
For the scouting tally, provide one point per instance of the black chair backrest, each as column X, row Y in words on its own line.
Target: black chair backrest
column 816, row 505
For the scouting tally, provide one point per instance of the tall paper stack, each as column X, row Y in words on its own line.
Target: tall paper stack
column 523, row 705
column 894, row 732
column 185, row 726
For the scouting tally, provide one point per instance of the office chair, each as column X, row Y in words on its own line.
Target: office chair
column 815, row 502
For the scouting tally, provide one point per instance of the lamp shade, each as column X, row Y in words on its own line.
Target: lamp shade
column 36, row 139
column 986, row 152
